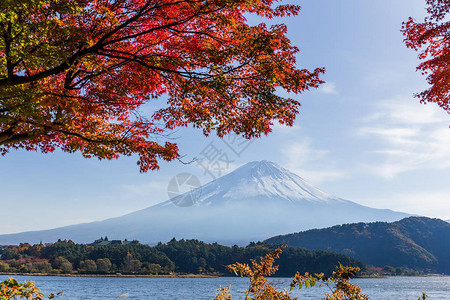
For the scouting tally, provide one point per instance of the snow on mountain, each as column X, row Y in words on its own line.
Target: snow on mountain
column 254, row 202
column 263, row 181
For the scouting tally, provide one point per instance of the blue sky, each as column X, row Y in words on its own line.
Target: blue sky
column 362, row 136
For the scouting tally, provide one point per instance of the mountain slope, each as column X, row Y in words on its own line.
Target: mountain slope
column 415, row 242
column 256, row 201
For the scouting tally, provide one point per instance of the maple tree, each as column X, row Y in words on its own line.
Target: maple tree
column 432, row 39
column 74, row 73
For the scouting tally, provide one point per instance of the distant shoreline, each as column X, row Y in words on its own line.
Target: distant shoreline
column 189, row 275
column 116, row 275
column 393, row 276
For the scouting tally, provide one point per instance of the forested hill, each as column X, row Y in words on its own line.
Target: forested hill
column 183, row 256
column 416, row 242
column 188, row 255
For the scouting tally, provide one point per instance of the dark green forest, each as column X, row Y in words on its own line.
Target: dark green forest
column 174, row 257
column 417, row 243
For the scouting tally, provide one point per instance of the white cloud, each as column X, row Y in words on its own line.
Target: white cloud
column 302, row 152
column 328, row 88
column 411, row 136
column 306, row 161
column 283, row 129
column 407, row 110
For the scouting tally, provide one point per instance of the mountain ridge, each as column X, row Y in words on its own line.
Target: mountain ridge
column 415, row 242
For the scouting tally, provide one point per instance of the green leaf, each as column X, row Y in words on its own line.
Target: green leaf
column 423, row 297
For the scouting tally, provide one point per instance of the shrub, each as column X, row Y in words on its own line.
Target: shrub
column 88, row 265
column 42, row 266
column 103, row 264
column 4, row 267
column 11, row 289
column 261, row 289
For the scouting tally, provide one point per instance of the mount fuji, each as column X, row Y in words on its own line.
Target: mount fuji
column 256, row 201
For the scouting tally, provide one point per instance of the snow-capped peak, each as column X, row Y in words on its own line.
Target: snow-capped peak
column 261, row 182
column 265, row 178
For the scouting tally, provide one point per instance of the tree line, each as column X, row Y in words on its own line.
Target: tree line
column 180, row 257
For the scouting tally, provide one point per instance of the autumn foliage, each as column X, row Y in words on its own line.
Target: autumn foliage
column 12, row 289
column 262, row 289
column 75, row 73
column 431, row 39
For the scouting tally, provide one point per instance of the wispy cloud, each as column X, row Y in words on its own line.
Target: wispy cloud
column 328, row 88
column 407, row 110
column 411, row 137
column 313, row 164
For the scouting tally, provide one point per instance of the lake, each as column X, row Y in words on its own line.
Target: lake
column 90, row 288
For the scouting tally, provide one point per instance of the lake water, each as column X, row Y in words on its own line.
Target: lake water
column 395, row 288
